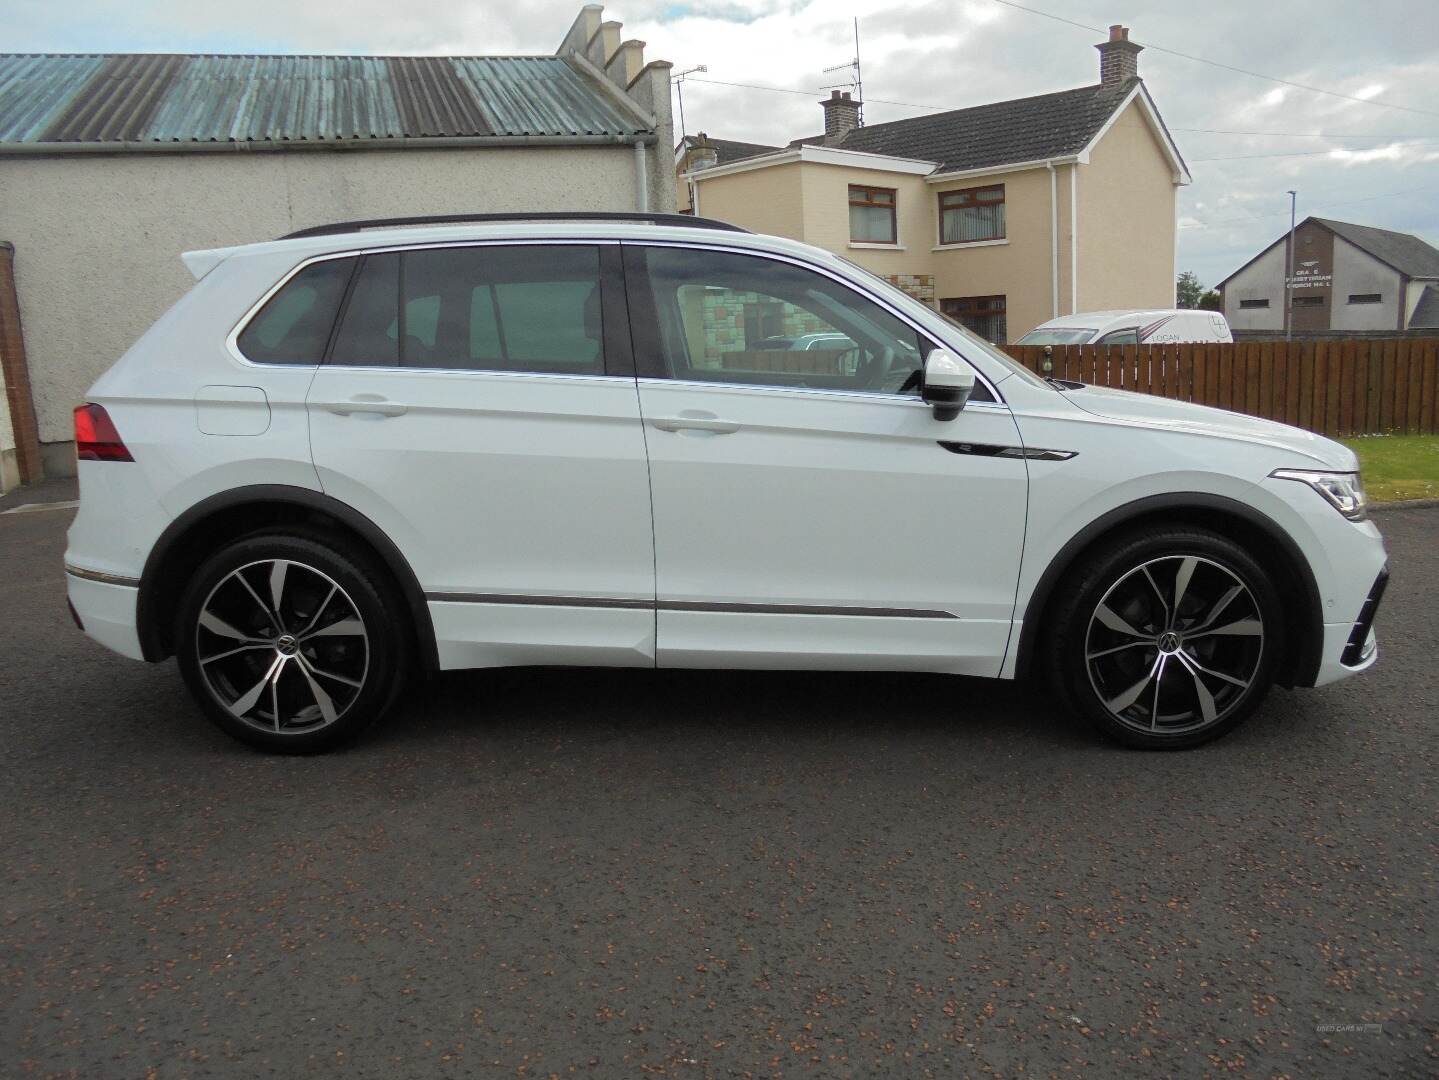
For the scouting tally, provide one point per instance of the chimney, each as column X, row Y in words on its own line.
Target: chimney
column 841, row 115
column 1118, row 57
column 701, row 154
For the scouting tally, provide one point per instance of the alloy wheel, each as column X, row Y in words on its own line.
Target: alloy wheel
column 1174, row 645
column 282, row 646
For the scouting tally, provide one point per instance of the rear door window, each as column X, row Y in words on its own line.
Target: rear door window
column 294, row 325
column 533, row 309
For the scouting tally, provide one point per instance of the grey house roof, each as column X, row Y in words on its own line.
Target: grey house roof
column 1403, row 251
column 1426, row 312
column 727, row 150
column 184, row 101
column 1002, row 133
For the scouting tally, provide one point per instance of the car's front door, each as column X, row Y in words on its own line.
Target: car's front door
column 478, row 404
column 809, row 510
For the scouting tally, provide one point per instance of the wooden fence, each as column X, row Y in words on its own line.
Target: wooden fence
column 1350, row 387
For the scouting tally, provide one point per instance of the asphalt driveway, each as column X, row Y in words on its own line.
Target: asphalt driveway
column 541, row 873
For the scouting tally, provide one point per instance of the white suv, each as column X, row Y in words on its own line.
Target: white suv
column 385, row 447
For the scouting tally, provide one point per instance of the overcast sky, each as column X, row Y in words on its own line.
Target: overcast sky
column 1374, row 165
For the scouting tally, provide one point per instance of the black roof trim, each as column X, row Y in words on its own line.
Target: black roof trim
column 681, row 220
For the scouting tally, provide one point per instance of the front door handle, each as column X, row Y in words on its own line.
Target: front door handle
column 371, row 404
column 696, row 422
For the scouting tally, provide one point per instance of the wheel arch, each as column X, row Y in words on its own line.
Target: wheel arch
column 1264, row 538
column 192, row 537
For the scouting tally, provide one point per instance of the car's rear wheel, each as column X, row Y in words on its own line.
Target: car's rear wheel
column 1168, row 638
column 290, row 642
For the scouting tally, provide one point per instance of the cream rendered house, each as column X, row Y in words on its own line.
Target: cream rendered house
column 1002, row 215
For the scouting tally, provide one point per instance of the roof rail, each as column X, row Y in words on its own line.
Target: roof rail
column 682, row 220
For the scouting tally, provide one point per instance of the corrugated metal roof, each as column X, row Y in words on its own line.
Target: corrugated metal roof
column 174, row 99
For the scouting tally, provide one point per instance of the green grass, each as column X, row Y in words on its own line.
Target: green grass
column 1398, row 467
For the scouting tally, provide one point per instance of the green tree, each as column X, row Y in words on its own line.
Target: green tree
column 1212, row 301
column 1188, row 291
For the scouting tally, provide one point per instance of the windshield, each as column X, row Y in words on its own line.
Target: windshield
column 1057, row 336
column 971, row 338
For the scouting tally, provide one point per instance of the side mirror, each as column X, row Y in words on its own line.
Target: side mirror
column 948, row 382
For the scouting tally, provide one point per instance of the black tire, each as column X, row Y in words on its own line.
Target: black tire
column 310, row 679
column 1098, row 659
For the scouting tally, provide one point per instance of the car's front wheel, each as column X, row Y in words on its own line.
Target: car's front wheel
column 290, row 642
column 1167, row 638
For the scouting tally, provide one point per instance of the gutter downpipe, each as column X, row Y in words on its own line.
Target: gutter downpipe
column 642, row 182
column 1074, row 239
column 1053, row 242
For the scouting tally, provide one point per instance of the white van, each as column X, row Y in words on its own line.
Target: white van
column 1130, row 328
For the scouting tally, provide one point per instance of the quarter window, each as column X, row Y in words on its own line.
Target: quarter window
column 972, row 215
column 730, row 318
column 529, row 309
column 294, row 325
column 872, row 215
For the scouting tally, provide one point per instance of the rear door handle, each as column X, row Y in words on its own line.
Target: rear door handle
column 696, row 422
column 371, row 404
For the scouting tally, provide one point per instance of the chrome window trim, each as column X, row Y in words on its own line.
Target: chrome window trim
column 232, row 339
column 820, row 391
column 848, row 283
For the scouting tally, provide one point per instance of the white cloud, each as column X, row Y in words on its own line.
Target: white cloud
column 951, row 53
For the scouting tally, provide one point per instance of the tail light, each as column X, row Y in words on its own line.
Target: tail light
column 95, row 436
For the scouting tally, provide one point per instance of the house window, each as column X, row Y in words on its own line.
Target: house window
column 1309, row 301
column 972, row 215
column 871, row 215
column 1365, row 298
column 984, row 315
column 1254, row 303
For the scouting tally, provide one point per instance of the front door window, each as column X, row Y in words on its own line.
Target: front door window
column 732, row 318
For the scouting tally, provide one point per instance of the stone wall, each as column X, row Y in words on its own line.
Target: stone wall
column 919, row 286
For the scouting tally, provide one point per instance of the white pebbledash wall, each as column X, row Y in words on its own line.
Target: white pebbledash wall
column 98, row 237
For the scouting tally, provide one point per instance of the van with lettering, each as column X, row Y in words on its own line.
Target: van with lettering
column 1147, row 327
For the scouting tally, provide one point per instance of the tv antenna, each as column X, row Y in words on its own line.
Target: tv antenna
column 856, row 79
column 679, row 81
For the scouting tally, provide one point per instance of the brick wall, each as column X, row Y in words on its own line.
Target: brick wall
column 724, row 323
column 17, row 372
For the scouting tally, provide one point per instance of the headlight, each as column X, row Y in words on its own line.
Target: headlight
column 1343, row 490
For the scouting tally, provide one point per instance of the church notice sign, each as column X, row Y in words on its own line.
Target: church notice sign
column 1309, row 275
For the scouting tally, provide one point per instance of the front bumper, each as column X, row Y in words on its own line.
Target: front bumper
column 1350, row 648
column 1361, row 645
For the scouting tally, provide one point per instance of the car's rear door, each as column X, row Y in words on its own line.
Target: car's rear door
column 809, row 510
column 478, row 404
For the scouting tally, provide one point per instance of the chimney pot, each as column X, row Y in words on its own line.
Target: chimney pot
column 1118, row 57
column 841, row 115
column 701, row 154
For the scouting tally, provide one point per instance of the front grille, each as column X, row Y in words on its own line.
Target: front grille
column 1354, row 649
